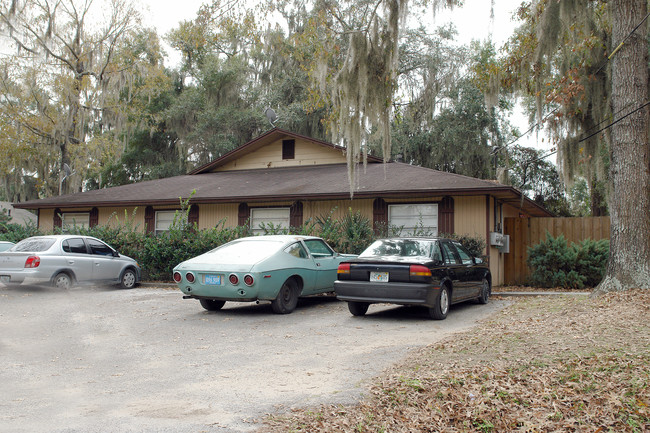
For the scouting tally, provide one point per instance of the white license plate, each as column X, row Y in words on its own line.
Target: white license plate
column 214, row 280
column 5, row 278
column 379, row 277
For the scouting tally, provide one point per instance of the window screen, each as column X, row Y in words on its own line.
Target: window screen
column 164, row 219
column 78, row 220
column 278, row 217
column 414, row 219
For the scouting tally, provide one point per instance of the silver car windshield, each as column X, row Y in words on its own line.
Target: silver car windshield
column 400, row 248
column 251, row 251
column 33, row 245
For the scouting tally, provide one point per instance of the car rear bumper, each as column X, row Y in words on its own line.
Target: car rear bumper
column 222, row 293
column 394, row 293
column 22, row 277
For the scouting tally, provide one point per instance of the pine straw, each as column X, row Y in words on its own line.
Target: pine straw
column 544, row 364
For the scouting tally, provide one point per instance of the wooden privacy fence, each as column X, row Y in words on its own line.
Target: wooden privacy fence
column 526, row 232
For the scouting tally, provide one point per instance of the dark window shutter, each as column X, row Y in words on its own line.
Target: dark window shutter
column 149, row 219
column 243, row 215
column 295, row 214
column 57, row 218
column 446, row 216
column 193, row 215
column 379, row 215
column 93, row 218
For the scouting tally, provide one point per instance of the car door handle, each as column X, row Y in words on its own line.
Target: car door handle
column 71, row 262
column 317, row 264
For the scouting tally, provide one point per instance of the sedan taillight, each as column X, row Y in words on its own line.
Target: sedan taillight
column 32, row 262
column 344, row 268
column 189, row 277
column 420, row 271
column 177, row 277
column 234, row 279
column 248, row 280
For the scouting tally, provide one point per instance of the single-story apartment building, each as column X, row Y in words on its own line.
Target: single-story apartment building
column 285, row 178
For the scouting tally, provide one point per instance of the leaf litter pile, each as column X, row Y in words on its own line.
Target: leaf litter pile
column 543, row 364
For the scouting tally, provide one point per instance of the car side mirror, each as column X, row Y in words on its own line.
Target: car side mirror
column 478, row 261
column 115, row 254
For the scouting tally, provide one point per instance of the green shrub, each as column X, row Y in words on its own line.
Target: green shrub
column 591, row 260
column 17, row 232
column 556, row 264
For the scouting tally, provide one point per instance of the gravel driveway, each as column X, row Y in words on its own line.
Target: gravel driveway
column 95, row 359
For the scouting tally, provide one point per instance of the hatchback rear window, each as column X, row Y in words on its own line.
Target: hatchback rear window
column 33, row 245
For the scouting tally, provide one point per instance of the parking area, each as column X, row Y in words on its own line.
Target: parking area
column 98, row 359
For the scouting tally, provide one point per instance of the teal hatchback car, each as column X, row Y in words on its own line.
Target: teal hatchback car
column 277, row 268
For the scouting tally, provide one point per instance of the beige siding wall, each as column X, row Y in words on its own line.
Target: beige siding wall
column 498, row 259
column 340, row 208
column 212, row 214
column 306, row 153
column 46, row 220
column 470, row 219
column 469, row 215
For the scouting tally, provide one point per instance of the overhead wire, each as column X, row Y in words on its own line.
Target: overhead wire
column 604, row 63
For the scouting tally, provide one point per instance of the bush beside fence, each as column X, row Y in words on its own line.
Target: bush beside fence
column 555, row 263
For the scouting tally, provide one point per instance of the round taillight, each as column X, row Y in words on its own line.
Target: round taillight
column 249, row 280
column 189, row 277
column 177, row 277
column 234, row 279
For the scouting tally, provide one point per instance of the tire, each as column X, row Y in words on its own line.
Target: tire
column 358, row 308
column 486, row 290
column 62, row 281
column 212, row 304
column 128, row 279
column 287, row 299
column 441, row 308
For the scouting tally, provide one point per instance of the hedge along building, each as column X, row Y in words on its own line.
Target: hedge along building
column 286, row 179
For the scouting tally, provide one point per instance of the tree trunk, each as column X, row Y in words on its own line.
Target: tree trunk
column 629, row 256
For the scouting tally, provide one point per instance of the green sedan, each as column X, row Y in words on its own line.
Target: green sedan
column 277, row 268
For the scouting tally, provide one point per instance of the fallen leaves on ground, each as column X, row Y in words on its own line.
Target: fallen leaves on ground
column 544, row 364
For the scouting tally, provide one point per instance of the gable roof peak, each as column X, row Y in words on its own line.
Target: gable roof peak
column 264, row 139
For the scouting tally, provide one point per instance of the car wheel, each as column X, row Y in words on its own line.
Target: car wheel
column 358, row 308
column 212, row 304
column 287, row 299
column 441, row 308
column 484, row 297
column 62, row 281
column 128, row 279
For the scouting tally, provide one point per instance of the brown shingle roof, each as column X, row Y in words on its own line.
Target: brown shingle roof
column 291, row 183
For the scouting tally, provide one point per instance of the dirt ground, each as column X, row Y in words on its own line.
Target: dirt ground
column 543, row 364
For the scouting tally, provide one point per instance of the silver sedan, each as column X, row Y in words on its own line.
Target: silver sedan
column 63, row 260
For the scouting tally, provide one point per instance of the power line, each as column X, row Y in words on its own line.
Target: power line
column 616, row 121
column 606, row 60
column 595, row 133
